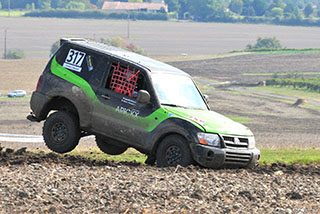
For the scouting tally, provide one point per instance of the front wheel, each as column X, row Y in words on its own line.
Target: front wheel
column 173, row 151
column 61, row 132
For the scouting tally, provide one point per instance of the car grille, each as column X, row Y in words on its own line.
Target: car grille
column 236, row 142
column 237, row 158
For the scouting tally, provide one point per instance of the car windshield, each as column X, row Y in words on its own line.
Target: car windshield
column 177, row 91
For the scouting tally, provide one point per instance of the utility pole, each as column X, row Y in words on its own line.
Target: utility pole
column 128, row 26
column 9, row 8
column 5, row 44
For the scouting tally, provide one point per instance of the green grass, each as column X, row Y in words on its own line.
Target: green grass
column 290, row 156
column 268, row 155
column 12, row 13
column 95, row 153
column 288, row 91
column 244, row 120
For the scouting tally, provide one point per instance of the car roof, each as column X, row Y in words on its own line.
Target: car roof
column 152, row 65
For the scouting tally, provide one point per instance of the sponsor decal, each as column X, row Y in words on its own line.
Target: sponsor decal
column 74, row 60
column 128, row 101
column 170, row 115
column 202, row 122
column 89, row 63
column 132, row 112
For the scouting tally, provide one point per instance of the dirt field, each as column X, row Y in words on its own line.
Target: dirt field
column 50, row 183
column 36, row 35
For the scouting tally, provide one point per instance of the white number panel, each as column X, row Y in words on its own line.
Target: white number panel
column 74, row 60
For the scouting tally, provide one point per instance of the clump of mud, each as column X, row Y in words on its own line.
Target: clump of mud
column 22, row 156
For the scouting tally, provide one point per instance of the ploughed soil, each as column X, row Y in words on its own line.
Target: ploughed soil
column 51, row 183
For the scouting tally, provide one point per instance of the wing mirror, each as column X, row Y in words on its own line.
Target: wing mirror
column 206, row 97
column 143, row 97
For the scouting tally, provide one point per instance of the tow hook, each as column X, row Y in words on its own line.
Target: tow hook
column 32, row 118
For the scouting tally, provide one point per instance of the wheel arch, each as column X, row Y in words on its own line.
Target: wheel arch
column 160, row 139
column 59, row 103
column 174, row 126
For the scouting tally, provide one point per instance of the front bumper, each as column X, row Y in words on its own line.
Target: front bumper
column 213, row 157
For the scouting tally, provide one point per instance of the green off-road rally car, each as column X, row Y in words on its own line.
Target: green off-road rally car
column 129, row 100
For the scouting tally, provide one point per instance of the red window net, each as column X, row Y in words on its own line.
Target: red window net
column 123, row 80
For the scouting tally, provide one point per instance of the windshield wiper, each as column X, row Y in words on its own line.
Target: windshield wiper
column 173, row 105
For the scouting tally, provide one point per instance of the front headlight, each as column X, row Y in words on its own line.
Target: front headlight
column 209, row 139
column 252, row 143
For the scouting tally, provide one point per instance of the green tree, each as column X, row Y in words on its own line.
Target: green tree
column 0, row 5
column 267, row 42
column 277, row 3
column 202, row 9
column 58, row 4
column 44, row 4
column 73, row 5
column 308, row 10
column 15, row 54
column 173, row 5
column 183, row 8
column 236, row 6
column 260, row 7
column 289, row 8
column 277, row 12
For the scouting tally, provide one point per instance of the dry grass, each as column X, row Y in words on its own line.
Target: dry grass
column 20, row 74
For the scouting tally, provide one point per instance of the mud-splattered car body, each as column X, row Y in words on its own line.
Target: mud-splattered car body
column 129, row 100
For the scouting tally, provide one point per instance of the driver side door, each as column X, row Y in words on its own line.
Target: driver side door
column 118, row 115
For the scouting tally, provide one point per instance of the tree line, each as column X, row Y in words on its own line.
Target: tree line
column 206, row 10
column 199, row 10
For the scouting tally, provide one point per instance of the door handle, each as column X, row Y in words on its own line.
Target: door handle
column 104, row 96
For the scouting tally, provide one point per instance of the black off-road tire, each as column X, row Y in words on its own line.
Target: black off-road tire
column 173, row 151
column 61, row 132
column 108, row 148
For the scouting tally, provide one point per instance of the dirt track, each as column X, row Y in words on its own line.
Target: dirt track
column 50, row 183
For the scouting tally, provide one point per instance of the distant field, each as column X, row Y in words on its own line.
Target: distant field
column 20, row 74
column 36, row 35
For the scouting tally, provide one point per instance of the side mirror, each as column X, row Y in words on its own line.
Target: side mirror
column 143, row 97
column 206, row 97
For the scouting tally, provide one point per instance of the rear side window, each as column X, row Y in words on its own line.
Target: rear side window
column 80, row 61
column 125, row 79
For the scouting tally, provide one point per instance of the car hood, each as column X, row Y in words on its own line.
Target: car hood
column 210, row 121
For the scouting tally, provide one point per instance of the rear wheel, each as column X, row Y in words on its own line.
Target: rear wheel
column 173, row 151
column 61, row 132
column 109, row 148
